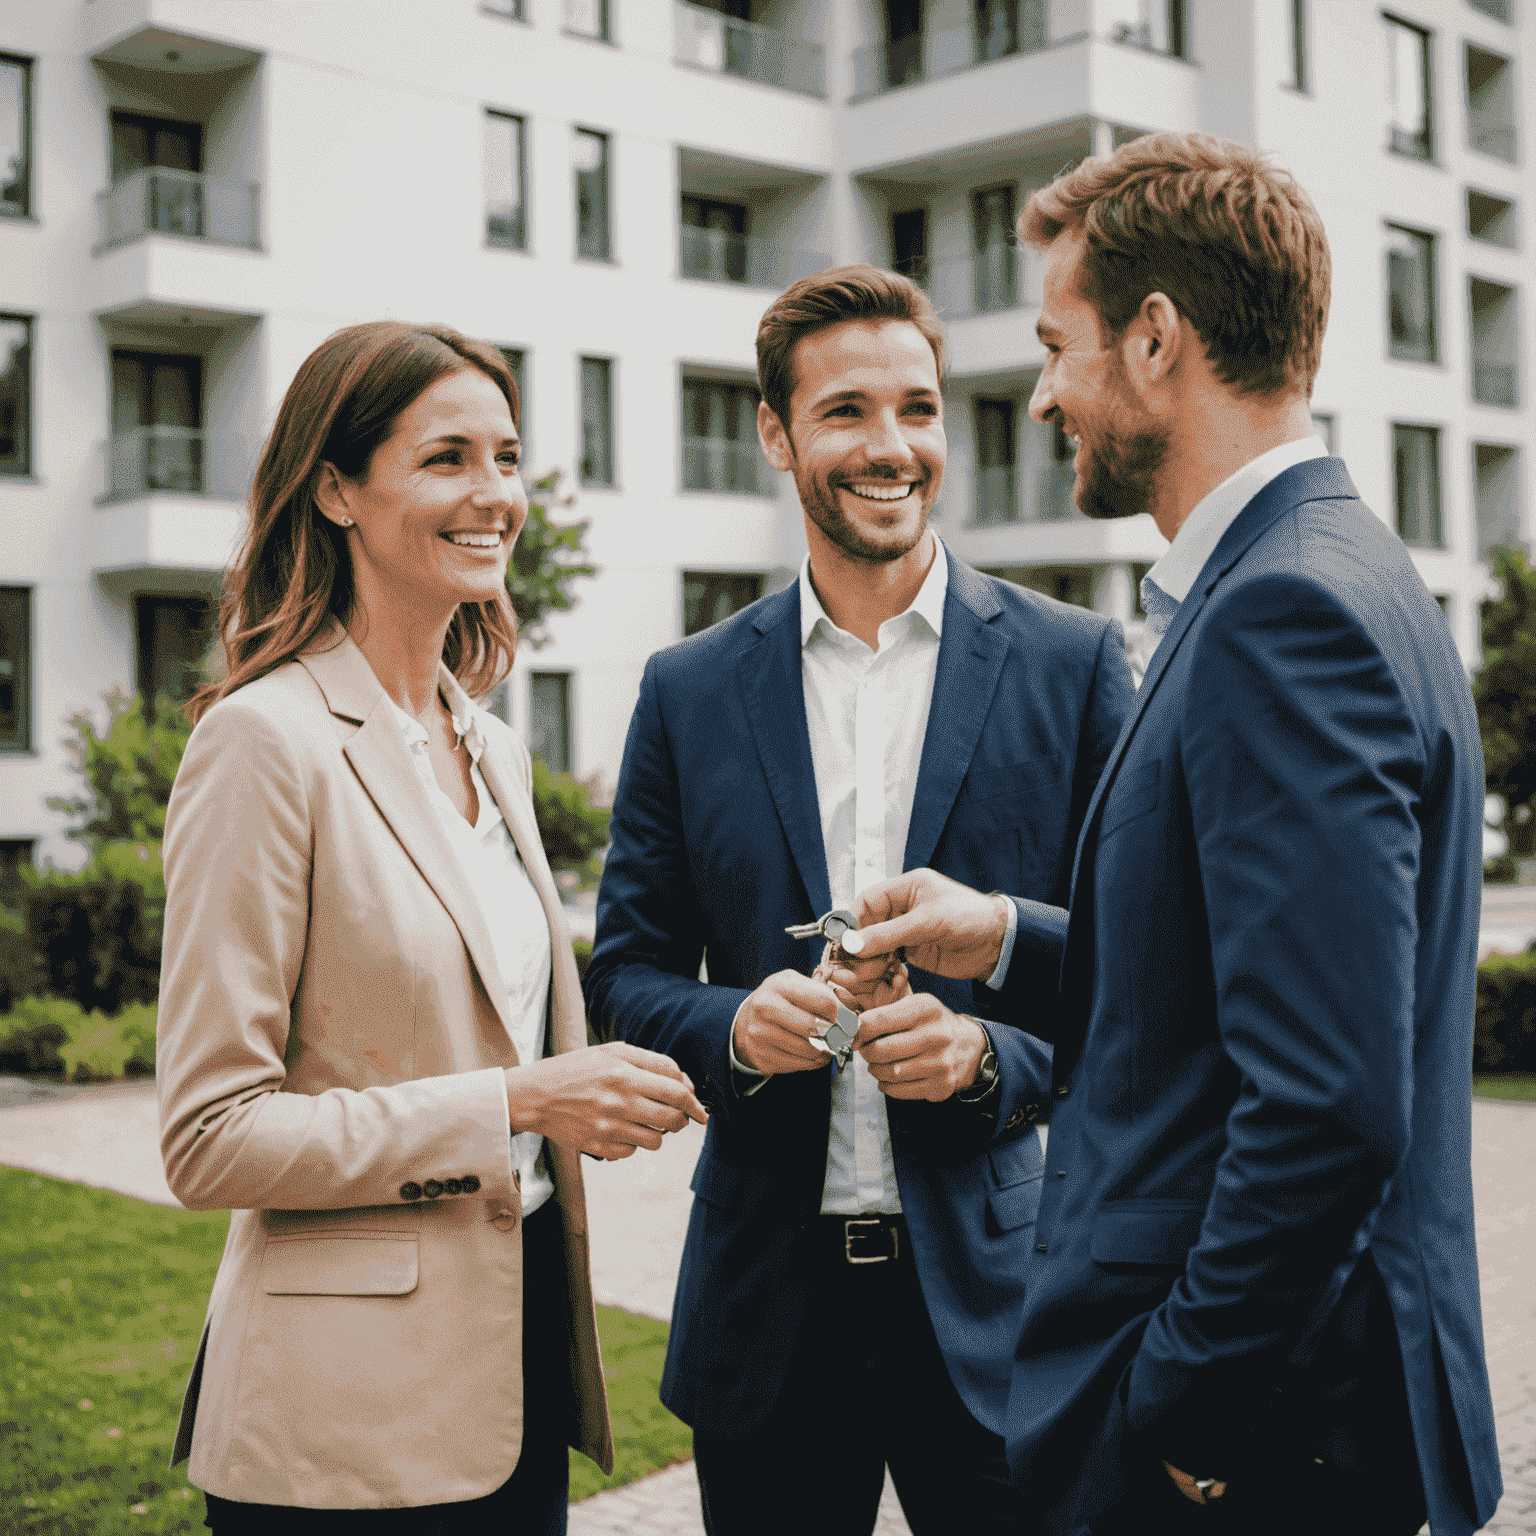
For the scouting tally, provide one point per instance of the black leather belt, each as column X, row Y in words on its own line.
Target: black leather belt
column 863, row 1239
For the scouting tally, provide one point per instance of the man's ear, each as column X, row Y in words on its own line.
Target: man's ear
column 774, row 436
column 1150, row 344
column 331, row 496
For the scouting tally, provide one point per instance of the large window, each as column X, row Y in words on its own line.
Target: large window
column 15, row 395
column 549, row 715
column 1416, row 485
column 709, row 596
column 1410, row 294
column 1496, row 495
column 174, row 637
column 589, row 152
column 596, row 421
column 909, row 244
column 506, row 181
column 15, row 669
column 996, row 272
column 157, row 438
column 1491, row 103
column 1495, row 342
column 720, row 451
column 997, row 498
column 15, row 137
column 715, row 247
column 1410, row 91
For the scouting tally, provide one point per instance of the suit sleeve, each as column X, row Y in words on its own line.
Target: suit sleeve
column 239, row 836
column 642, row 985
column 1305, row 768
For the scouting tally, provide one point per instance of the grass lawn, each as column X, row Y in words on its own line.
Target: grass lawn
column 103, row 1299
column 1504, row 1085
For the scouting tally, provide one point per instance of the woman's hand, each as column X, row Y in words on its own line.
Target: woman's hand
column 606, row 1100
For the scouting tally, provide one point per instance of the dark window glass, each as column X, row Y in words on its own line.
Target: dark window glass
column 904, row 41
column 1498, row 9
column 1495, row 342
column 15, row 137
column 1416, row 484
column 1492, row 220
column 587, row 18
column 174, row 635
column 1299, row 73
column 1491, row 103
column 709, row 596
column 997, row 28
column 174, row 203
column 590, row 155
column 996, row 448
column 1496, row 468
column 995, row 275
column 909, row 244
column 715, row 246
column 596, row 421
column 157, row 438
column 506, row 181
column 15, row 669
column 1410, row 93
column 720, row 451
column 15, row 395
column 1411, row 294
column 550, row 719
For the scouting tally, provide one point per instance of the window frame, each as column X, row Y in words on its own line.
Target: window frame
column 21, row 745
column 568, row 679
column 606, row 139
column 1431, row 242
column 1301, row 48
column 490, row 116
column 1429, row 137
column 693, row 378
column 516, row 11
column 612, row 482
column 1434, row 432
column 22, row 469
column 604, row 34
column 28, row 67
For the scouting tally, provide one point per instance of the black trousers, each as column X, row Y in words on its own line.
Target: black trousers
column 532, row 1502
column 865, row 1388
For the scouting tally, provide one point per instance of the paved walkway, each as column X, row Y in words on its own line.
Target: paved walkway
column 106, row 1136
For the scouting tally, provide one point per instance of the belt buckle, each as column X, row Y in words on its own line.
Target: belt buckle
column 849, row 1235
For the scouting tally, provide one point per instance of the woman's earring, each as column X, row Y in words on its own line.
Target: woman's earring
column 346, row 522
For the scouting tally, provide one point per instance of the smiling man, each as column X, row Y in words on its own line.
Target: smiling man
column 850, row 1289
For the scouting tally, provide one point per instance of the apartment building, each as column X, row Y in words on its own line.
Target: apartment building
column 194, row 192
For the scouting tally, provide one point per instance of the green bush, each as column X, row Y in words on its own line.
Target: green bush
column 52, row 1034
column 95, row 936
column 1499, row 870
column 1504, row 1039
column 571, row 828
column 20, row 975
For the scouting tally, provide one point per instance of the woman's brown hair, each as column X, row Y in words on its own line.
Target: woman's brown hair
column 293, row 574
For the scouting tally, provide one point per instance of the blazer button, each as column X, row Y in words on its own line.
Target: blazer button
column 432, row 1189
column 453, row 1186
column 469, row 1183
column 1062, row 1090
column 1040, row 1247
column 410, row 1191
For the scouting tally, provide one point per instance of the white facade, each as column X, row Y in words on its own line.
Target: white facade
column 342, row 173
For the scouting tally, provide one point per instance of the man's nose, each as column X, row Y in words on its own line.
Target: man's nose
column 887, row 442
column 1042, row 403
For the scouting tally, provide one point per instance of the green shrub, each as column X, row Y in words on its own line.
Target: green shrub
column 1499, row 870
column 571, row 828
column 20, row 974
column 53, row 1034
column 31, row 1032
column 1504, row 1039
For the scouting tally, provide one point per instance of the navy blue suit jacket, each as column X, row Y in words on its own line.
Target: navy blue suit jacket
column 717, row 846
column 1258, row 1192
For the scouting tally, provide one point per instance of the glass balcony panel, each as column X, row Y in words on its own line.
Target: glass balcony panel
column 997, row 498
column 720, row 256
column 146, row 461
column 724, row 464
column 742, row 48
column 154, row 200
column 995, row 279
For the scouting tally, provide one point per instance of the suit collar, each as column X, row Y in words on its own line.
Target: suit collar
column 342, row 674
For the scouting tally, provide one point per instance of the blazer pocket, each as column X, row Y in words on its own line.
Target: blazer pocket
column 341, row 1264
column 716, row 1183
column 989, row 783
column 1017, row 1205
column 1145, row 1234
column 1018, row 1159
column 1130, row 797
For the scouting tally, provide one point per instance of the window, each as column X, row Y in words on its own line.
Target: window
column 1492, row 219
column 1410, row 115
column 15, row 137
column 157, row 439
column 1498, row 9
column 1322, row 426
column 996, row 487
column 506, row 181
column 517, row 362
column 1491, row 103
column 174, row 203
column 1416, row 485
column 904, row 41
column 709, row 596
column 174, row 635
column 549, row 717
column 587, row 18
column 715, row 247
column 596, row 421
column 1410, row 294
column 909, row 244
column 720, row 451
column 1495, row 342
column 15, row 669
column 1300, row 75
column 1154, row 24
column 997, row 29
column 511, row 9
column 15, row 395
column 590, row 157
column 995, row 275
column 1496, row 490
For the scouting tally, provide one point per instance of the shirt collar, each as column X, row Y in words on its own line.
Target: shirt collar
column 927, row 605
column 1216, row 511
column 468, row 731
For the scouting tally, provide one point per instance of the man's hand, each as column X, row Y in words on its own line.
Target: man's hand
column 774, row 1026
column 917, row 1049
column 1191, row 1489
column 945, row 927
column 606, row 1100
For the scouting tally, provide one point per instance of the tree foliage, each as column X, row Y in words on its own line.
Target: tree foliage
column 1505, row 692
column 547, row 560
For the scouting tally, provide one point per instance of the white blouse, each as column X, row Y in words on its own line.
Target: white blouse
column 513, row 913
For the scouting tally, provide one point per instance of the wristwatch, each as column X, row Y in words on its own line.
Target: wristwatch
column 986, row 1072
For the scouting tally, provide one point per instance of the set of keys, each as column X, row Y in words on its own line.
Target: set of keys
column 836, row 1040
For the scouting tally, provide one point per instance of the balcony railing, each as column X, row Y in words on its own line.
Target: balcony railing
column 997, row 278
column 997, row 496
column 163, row 202
column 722, row 464
column 718, row 256
column 147, row 461
column 731, row 47
column 1494, row 384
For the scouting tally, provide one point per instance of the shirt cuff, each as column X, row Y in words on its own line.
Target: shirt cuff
column 755, row 1079
column 1000, row 973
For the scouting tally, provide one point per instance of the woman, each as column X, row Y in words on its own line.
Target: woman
column 372, row 1044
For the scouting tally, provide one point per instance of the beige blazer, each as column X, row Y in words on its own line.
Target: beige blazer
column 328, row 1045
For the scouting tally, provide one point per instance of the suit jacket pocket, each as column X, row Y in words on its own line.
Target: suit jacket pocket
column 1017, row 1205
column 1130, row 797
column 715, row 1183
column 340, row 1264
column 989, row 783
column 1145, row 1234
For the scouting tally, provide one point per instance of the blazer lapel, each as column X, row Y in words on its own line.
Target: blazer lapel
column 773, row 692
column 971, row 660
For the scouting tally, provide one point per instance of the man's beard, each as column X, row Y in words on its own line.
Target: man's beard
column 823, row 508
column 1120, row 478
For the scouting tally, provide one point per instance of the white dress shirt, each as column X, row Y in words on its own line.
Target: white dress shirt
column 513, row 913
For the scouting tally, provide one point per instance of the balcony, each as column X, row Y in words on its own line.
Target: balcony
column 165, row 202
column 719, row 256
column 724, row 465
column 724, row 45
column 997, row 497
column 998, row 278
column 146, row 461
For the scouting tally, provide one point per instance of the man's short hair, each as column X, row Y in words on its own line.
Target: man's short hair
column 1232, row 240
column 858, row 292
